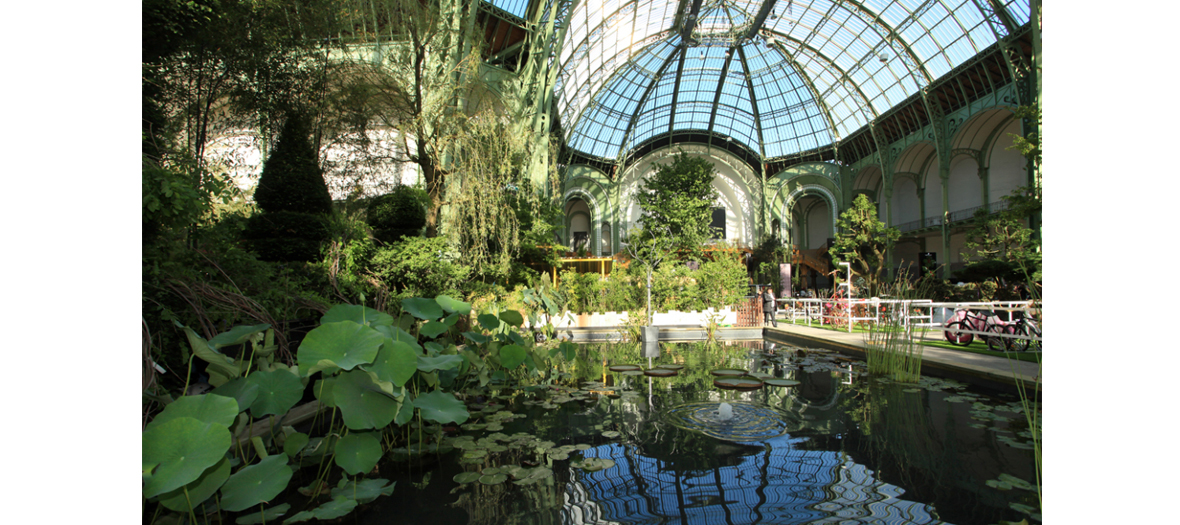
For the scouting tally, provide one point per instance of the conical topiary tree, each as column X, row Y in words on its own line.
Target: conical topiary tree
column 293, row 197
column 291, row 178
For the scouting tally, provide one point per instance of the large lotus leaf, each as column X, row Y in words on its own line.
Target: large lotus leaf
column 270, row 514
column 405, row 414
column 453, row 305
column 511, row 356
column 328, row 511
column 278, row 392
column 442, row 362
column 324, row 390
column 295, row 443
column 243, row 391
column 357, row 314
column 203, row 488
column 425, row 309
column 363, row 491
column 206, row 408
column 442, row 407
column 433, row 348
column 396, row 362
column 397, row 334
column 345, row 343
column 362, row 403
column 433, row 329
column 512, row 317
column 183, row 448
column 358, row 452
column 476, row 338
column 256, row 483
column 488, row 321
column 451, row 320
column 237, row 335
column 218, row 362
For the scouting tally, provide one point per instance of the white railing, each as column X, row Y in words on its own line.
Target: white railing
column 913, row 313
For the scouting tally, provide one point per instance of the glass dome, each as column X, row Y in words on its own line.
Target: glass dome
column 780, row 77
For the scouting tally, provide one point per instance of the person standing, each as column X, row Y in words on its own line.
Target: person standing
column 768, row 307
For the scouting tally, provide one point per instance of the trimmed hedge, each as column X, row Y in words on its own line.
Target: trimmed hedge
column 292, row 179
column 399, row 213
column 286, row 236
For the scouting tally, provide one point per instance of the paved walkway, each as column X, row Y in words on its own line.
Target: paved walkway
column 996, row 369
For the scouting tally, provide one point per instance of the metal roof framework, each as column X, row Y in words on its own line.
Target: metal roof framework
column 780, row 77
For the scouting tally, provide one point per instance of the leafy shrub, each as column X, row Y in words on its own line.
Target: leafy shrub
column 286, row 236
column 292, row 179
column 419, row 266
column 397, row 214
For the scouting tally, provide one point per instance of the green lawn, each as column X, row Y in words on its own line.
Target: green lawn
column 934, row 337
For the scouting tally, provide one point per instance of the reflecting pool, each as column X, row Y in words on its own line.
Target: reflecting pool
column 622, row 447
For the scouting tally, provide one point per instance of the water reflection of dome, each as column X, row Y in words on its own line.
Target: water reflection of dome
column 781, row 484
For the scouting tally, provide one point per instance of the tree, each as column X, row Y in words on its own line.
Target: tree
column 863, row 241
column 678, row 198
column 1005, row 237
column 291, row 178
column 426, row 86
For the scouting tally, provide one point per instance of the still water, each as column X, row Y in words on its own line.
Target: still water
column 623, row 447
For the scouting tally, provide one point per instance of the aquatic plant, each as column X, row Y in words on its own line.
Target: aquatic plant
column 379, row 377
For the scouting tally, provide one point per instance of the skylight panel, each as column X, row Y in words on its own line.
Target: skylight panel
column 517, row 8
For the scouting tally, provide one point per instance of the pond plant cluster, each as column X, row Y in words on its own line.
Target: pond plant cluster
column 470, row 407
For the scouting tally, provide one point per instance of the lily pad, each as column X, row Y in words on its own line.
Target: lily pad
column 278, row 392
column 345, row 344
column 493, row 479
column 611, row 434
column 270, row 514
column 738, row 383
column 363, row 491
column 661, row 372
column 358, row 452
column 466, row 477
column 671, row 366
column 425, row 309
column 256, row 483
column 362, row 403
column 206, row 408
column 328, row 511
column 781, row 382
column 183, row 448
column 632, row 372
column 728, row 372
column 441, row 407
column 357, row 314
column 593, row 464
column 623, row 368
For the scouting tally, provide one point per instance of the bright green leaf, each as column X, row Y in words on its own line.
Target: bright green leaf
column 453, row 305
column 269, row 515
column 511, row 356
column 442, row 362
column 433, row 329
column 358, row 452
column 396, row 362
column 244, row 392
column 488, row 321
column 201, row 489
column 183, row 447
column 357, row 314
column 237, row 335
column 512, row 317
column 345, row 343
column 425, row 309
column 441, row 407
column 362, row 403
column 256, row 483
column 278, row 392
column 206, row 408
